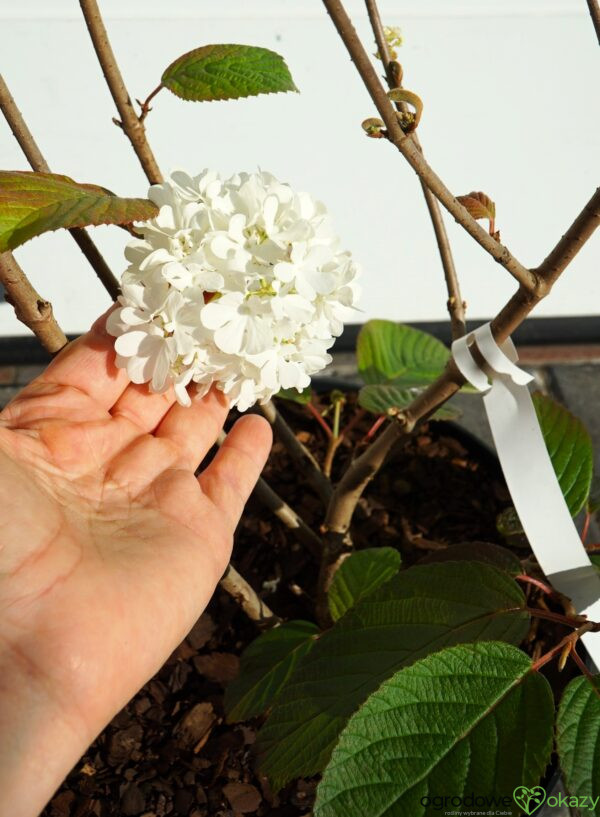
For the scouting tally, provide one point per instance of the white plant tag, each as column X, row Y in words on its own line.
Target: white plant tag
column 529, row 474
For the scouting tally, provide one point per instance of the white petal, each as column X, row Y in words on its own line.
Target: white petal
column 218, row 312
column 129, row 343
column 230, row 336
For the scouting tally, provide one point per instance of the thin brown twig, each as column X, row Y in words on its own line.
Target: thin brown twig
column 538, row 583
column 595, row 15
column 248, row 599
column 305, row 535
column 145, row 105
column 569, row 639
column 581, row 664
column 37, row 162
column 405, row 144
column 558, row 618
column 30, row 308
column 132, row 126
column 265, row 494
column 320, row 419
column 298, row 452
column 455, row 304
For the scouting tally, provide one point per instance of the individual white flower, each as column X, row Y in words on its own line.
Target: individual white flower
column 237, row 282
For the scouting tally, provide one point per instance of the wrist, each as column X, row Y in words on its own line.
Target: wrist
column 40, row 740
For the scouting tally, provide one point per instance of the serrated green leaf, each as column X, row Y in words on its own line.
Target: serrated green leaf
column 470, row 719
column 386, row 351
column 293, row 395
column 389, row 398
column 35, row 203
column 570, row 448
column 227, row 72
column 419, row 611
column 578, row 739
column 265, row 667
column 360, row 574
column 477, row 552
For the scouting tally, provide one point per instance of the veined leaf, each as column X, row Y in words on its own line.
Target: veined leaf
column 570, row 448
column 386, row 351
column 486, row 552
column 472, row 718
column 227, row 72
column 478, row 205
column 358, row 575
column 417, row 612
column 389, row 398
column 578, row 739
column 265, row 667
column 35, row 203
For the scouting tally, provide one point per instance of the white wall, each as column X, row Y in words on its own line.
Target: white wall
column 511, row 108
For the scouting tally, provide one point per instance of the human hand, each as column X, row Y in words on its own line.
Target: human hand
column 110, row 548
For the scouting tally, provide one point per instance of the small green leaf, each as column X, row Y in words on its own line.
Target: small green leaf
column 360, row 574
column 393, row 351
column 578, row 739
column 417, row 612
column 35, row 203
column 570, row 449
column 303, row 397
column 469, row 719
column 227, row 72
column 390, row 398
column 477, row 552
column 265, row 667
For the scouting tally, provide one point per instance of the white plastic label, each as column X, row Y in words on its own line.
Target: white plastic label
column 529, row 474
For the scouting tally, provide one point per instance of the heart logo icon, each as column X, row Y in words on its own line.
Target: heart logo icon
column 529, row 799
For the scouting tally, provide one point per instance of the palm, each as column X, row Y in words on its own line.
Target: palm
column 111, row 547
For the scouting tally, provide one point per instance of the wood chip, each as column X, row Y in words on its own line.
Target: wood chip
column 243, row 797
column 195, row 725
column 201, row 633
column 221, row 667
column 122, row 743
column 133, row 801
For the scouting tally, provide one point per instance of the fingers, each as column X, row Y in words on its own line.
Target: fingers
column 143, row 408
column 88, row 364
column 230, row 478
column 194, row 429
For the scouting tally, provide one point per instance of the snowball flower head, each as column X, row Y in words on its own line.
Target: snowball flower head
column 238, row 282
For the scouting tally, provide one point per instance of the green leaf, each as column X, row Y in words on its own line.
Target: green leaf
column 35, row 203
column 393, row 351
column 390, row 398
column 418, row 611
column 265, row 667
column 302, row 397
column 477, row 552
column 227, row 72
column 360, row 574
column 469, row 719
column 570, row 449
column 578, row 738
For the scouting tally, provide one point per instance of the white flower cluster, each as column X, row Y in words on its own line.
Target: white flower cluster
column 238, row 282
